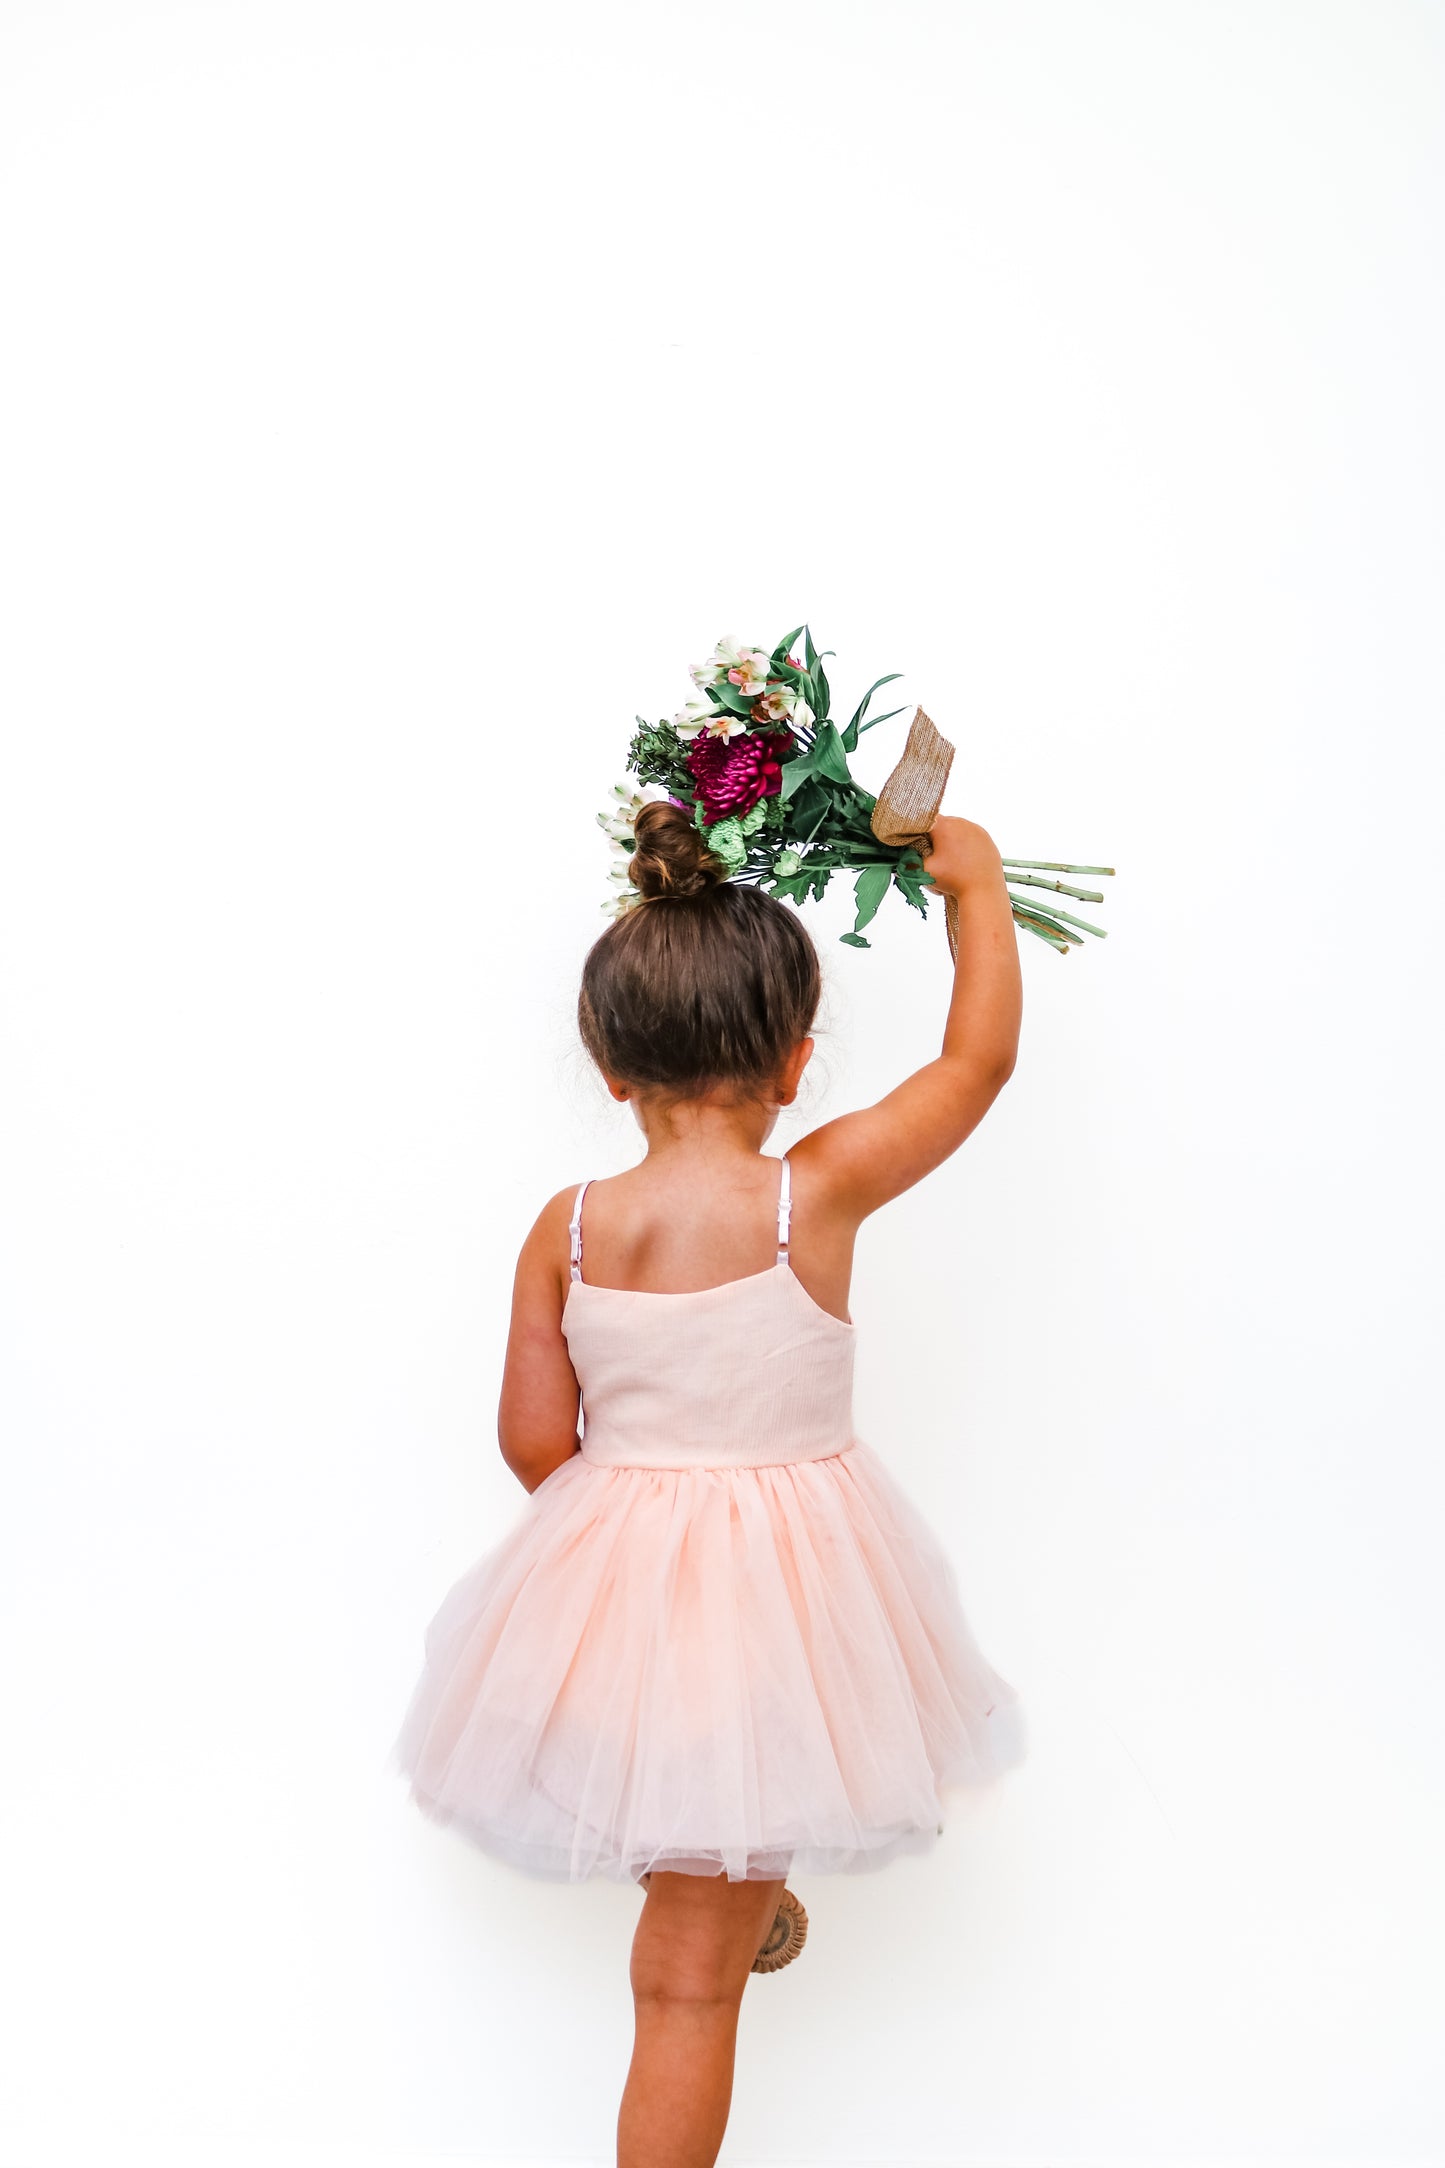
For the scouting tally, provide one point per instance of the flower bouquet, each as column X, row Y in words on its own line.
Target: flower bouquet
column 764, row 768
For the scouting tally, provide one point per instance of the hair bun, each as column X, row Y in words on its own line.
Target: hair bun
column 671, row 858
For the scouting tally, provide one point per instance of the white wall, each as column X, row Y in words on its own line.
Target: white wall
column 396, row 398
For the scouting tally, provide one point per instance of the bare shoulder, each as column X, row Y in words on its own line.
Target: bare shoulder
column 824, row 1191
column 545, row 1250
column 557, row 1211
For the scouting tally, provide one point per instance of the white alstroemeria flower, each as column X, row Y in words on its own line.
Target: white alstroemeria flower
column 622, row 893
column 716, row 667
column 748, row 669
column 618, row 820
column 745, row 667
column 617, row 825
column 780, row 704
column 701, row 719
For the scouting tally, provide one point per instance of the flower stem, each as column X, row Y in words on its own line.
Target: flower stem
column 1030, row 927
column 1051, row 925
column 1051, row 865
column 1085, row 895
column 1052, row 911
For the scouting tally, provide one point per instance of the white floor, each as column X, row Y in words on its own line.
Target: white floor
column 204, row 2151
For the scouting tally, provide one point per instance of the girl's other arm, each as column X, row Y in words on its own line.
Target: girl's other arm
column 864, row 1159
column 537, row 1416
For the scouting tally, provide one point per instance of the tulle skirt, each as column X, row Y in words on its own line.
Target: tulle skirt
column 746, row 1671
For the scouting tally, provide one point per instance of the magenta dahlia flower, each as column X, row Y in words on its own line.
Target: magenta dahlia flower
column 732, row 774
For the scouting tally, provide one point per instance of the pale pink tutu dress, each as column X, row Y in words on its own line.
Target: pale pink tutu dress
column 720, row 1639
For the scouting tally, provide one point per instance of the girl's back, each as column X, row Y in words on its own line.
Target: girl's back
column 678, row 1224
column 746, row 1372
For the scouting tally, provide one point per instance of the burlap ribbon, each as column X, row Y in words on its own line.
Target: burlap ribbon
column 909, row 801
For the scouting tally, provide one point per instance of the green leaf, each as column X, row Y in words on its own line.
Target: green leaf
column 796, row 772
column 808, row 804
column 850, row 735
column 729, row 697
column 828, row 756
column 854, row 940
column 872, row 887
column 818, row 693
column 862, row 708
column 784, row 648
column 792, row 885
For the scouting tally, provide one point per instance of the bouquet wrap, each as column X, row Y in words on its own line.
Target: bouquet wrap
column 909, row 801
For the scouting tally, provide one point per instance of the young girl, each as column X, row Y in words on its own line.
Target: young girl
column 721, row 1645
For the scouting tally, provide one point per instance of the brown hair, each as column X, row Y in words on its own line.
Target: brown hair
column 707, row 981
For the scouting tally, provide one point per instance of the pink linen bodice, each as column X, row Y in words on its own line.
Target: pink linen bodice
column 750, row 1374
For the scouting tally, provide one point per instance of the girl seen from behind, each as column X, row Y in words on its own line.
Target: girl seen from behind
column 721, row 1646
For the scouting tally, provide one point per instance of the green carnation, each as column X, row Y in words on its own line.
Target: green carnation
column 728, row 840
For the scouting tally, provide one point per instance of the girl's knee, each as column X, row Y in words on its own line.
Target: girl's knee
column 675, row 1964
column 696, row 1942
column 671, row 1979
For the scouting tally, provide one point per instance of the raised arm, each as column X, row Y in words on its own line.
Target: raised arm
column 861, row 1160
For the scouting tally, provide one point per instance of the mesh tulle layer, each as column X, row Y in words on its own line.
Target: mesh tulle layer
column 747, row 1671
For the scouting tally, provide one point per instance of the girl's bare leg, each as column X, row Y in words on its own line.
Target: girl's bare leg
column 691, row 1957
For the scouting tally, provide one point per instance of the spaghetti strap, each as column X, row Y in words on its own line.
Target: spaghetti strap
column 574, row 1228
column 785, row 1207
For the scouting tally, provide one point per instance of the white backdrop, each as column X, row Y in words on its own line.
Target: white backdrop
column 395, row 398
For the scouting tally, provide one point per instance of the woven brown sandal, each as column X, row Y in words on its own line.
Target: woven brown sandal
column 784, row 1938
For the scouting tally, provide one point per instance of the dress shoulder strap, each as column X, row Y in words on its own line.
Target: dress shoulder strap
column 574, row 1228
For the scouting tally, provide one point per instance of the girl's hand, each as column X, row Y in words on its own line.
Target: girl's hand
column 962, row 854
